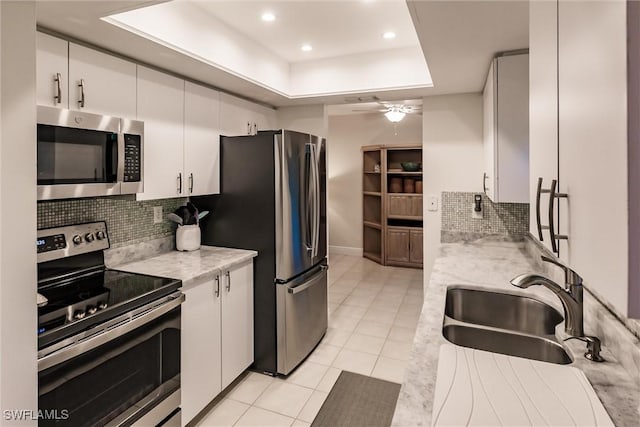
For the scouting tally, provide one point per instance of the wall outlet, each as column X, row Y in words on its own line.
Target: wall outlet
column 432, row 203
column 157, row 214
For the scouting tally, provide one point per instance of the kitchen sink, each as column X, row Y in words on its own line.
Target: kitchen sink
column 503, row 323
column 527, row 346
column 501, row 310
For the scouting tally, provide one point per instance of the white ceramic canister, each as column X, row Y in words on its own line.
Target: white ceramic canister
column 188, row 237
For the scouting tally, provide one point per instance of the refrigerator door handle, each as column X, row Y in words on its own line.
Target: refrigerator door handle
column 317, row 201
column 311, row 216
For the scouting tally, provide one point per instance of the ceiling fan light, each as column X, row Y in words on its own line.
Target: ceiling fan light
column 394, row 115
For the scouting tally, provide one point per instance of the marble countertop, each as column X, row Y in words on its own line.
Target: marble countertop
column 189, row 267
column 492, row 265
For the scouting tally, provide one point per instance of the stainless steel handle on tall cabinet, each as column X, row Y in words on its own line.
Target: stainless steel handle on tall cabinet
column 217, row 290
column 540, row 191
column 484, row 182
column 179, row 183
column 58, row 80
column 228, row 274
column 81, row 86
column 554, row 237
column 190, row 183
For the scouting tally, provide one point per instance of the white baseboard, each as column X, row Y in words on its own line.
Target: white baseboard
column 345, row 250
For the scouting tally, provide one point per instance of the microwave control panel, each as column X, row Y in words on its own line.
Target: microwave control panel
column 132, row 158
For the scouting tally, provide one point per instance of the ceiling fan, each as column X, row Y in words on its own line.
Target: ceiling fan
column 393, row 111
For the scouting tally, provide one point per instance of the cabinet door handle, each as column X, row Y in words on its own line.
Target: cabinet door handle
column 484, row 182
column 248, row 128
column 190, row 183
column 255, row 128
column 217, row 290
column 81, row 86
column 554, row 237
column 540, row 191
column 179, row 183
column 58, row 97
column 228, row 274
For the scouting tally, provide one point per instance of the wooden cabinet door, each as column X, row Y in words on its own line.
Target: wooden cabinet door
column 52, row 71
column 161, row 107
column 200, row 355
column 201, row 141
column 397, row 243
column 415, row 246
column 109, row 83
column 237, row 321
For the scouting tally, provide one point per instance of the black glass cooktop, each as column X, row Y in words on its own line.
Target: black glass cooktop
column 81, row 303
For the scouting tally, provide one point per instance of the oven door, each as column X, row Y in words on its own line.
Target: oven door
column 78, row 154
column 128, row 369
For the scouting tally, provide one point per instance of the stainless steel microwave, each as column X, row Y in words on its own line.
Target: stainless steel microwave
column 86, row 155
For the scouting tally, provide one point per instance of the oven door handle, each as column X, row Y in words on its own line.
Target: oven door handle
column 113, row 329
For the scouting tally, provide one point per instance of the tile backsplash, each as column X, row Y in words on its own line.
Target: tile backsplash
column 128, row 221
column 505, row 221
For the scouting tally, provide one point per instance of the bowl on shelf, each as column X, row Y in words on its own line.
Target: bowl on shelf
column 410, row 166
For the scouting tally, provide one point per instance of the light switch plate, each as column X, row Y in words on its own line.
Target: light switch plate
column 432, row 203
column 157, row 214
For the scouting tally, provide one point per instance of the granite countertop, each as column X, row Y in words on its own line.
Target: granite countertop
column 492, row 265
column 189, row 267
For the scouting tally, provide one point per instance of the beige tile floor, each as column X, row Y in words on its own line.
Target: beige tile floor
column 373, row 313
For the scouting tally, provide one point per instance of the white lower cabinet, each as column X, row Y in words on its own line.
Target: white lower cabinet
column 217, row 336
column 237, row 321
column 200, row 341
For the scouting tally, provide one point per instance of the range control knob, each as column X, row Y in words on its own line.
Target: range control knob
column 91, row 309
column 79, row 314
column 89, row 237
column 102, row 305
column 77, row 239
column 100, row 235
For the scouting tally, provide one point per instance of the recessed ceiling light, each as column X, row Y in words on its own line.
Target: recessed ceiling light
column 306, row 47
column 389, row 35
column 268, row 17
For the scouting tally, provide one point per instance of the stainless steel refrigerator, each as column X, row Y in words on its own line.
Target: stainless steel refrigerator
column 273, row 200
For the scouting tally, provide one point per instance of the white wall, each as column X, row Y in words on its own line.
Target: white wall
column 18, row 371
column 452, row 157
column 305, row 118
column 402, row 68
column 347, row 134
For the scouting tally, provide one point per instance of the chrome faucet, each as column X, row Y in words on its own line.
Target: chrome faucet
column 571, row 300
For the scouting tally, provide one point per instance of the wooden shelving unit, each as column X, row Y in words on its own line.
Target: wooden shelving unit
column 392, row 222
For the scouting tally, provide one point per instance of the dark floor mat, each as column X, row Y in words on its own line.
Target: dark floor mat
column 356, row 400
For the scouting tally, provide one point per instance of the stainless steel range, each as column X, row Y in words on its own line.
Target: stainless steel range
column 108, row 341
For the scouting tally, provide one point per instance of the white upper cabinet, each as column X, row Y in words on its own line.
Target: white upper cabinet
column 101, row 83
column 52, row 71
column 201, row 140
column 241, row 117
column 543, row 113
column 592, row 109
column 506, row 133
column 161, row 107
